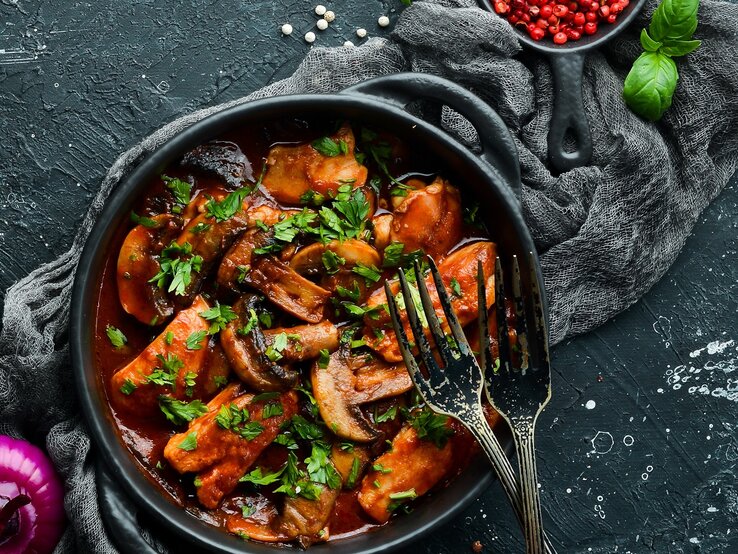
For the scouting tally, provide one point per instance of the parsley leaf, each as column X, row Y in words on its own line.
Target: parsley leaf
column 324, row 358
column 179, row 412
column 143, row 220
column 220, row 315
column 370, row 274
column 456, row 287
column 389, row 415
column 394, row 255
column 319, row 467
column 189, row 443
column 195, row 339
column 272, row 409
column 274, row 351
column 327, row 146
column 176, row 270
column 229, row 206
column 252, row 322
column 431, row 427
column 353, row 474
column 116, row 336
column 399, row 498
column 128, row 387
column 180, row 189
column 257, row 477
column 331, row 261
column 165, row 374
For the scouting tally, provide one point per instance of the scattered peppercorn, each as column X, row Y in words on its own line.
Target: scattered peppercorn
column 600, row 378
column 562, row 21
column 477, row 547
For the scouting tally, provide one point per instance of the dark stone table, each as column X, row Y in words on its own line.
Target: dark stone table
column 637, row 448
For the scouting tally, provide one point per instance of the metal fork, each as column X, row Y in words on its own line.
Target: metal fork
column 518, row 384
column 455, row 388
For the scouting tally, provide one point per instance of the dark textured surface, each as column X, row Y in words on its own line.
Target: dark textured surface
column 649, row 468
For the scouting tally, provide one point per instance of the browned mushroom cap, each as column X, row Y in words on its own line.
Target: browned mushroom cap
column 350, row 381
column 309, row 260
column 138, row 263
column 222, row 159
column 305, row 342
column 247, row 351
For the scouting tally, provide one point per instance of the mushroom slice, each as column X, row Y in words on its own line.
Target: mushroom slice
column 221, row 158
column 429, row 219
column 461, row 267
column 288, row 289
column 210, row 238
column 346, row 383
column 309, row 260
column 220, row 447
column 411, row 464
column 247, row 351
column 305, row 342
column 293, row 171
column 138, row 263
column 166, row 365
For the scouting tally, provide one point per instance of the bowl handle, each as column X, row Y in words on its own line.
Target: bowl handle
column 498, row 148
column 568, row 113
column 119, row 514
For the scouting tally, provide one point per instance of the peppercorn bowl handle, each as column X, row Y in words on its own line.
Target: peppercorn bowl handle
column 498, row 148
column 568, row 113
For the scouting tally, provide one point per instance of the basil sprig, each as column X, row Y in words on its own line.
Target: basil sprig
column 651, row 81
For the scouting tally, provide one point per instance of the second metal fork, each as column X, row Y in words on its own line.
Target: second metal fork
column 454, row 386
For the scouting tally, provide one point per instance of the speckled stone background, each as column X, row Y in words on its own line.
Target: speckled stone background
column 638, row 447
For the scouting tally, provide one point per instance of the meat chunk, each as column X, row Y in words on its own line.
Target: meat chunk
column 411, row 464
column 294, row 170
column 221, row 455
column 305, row 342
column 166, row 365
column 460, row 266
column 138, row 263
column 429, row 219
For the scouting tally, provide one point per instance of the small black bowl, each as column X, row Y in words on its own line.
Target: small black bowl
column 492, row 178
column 567, row 64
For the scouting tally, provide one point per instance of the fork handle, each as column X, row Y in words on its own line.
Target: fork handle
column 478, row 426
column 523, row 433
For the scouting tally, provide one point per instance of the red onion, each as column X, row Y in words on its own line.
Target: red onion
column 31, row 500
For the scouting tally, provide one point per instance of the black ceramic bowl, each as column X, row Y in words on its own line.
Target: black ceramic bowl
column 567, row 64
column 492, row 178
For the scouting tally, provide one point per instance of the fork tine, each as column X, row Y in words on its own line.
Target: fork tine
column 439, row 336
column 503, row 345
column 453, row 321
column 522, row 315
column 485, row 354
column 407, row 356
column 539, row 329
column 420, row 339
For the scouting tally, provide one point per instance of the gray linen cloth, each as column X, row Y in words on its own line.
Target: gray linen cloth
column 607, row 232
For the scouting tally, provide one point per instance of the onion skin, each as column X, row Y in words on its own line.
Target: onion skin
column 34, row 528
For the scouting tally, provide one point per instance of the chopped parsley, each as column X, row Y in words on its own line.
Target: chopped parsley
column 258, row 477
column 189, row 443
column 353, row 474
column 181, row 190
column 370, row 274
column 128, row 387
column 305, row 429
column 431, row 426
column 228, row 207
column 456, row 288
column 275, row 350
column 399, row 498
column 252, row 322
column 169, row 338
column 166, row 373
column 329, row 147
column 332, row 261
column 247, row 510
column 116, row 336
column 143, row 220
column 232, row 418
column 394, row 255
column 312, row 198
column 272, row 409
column 194, row 341
column 178, row 412
column 381, row 469
column 176, row 266
column 200, row 228
column 219, row 316
column 324, row 358
column 389, row 415
column 319, row 467
column 352, row 294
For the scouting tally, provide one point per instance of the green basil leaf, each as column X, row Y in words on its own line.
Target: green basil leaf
column 674, row 19
column 650, row 85
column 649, row 45
column 680, row 47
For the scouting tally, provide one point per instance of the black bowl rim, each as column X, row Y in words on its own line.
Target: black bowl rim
column 119, row 460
